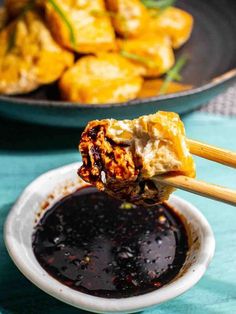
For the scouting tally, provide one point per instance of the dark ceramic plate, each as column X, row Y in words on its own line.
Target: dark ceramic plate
column 211, row 69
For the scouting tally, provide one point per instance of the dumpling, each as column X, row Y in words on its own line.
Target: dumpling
column 175, row 23
column 124, row 157
column 153, row 54
column 29, row 56
column 129, row 17
column 105, row 78
column 91, row 26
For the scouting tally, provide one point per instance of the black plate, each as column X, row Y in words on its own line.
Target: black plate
column 211, row 68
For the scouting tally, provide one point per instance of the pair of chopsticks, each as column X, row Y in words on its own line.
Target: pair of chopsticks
column 202, row 188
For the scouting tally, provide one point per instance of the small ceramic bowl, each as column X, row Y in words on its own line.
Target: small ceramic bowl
column 55, row 184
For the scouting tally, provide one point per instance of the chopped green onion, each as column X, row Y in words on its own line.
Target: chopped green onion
column 29, row 6
column 138, row 58
column 158, row 4
column 12, row 38
column 173, row 74
column 65, row 20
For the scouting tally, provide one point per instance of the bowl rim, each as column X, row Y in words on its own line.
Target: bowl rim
column 97, row 304
column 217, row 81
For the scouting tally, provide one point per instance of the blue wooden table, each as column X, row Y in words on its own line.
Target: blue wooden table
column 27, row 151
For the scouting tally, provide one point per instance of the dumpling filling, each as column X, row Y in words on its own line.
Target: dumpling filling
column 123, row 158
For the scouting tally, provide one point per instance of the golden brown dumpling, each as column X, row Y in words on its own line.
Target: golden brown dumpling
column 106, row 78
column 32, row 59
column 175, row 23
column 91, row 25
column 155, row 53
column 123, row 158
column 129, row 16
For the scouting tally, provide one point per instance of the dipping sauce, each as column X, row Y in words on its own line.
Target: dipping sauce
column 103, row 247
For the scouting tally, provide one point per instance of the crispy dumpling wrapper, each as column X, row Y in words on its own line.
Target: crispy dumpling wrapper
column 105, row 78
column 124, row 157
column 91, row 25
column 175, row 23
column 153, row 52
column 29, row 56
column 129, row 17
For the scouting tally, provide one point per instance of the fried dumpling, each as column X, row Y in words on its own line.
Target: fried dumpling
column 105, row 78
column 29, row 56
column 91, row 26
column 175, row 23
column 129, row 17
column 152, row 54
column 123, row 158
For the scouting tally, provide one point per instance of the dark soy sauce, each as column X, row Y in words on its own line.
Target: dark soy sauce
column 103, row 247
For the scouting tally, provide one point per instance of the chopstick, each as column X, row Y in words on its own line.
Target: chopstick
column 212, row 153
column 202, row 188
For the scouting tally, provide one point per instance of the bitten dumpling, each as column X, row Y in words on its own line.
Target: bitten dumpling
column 124, row 157
column 105, row 78
column 91, row 26
column 29, row 56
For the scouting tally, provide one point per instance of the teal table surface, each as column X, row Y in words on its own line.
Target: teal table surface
column 27, row 151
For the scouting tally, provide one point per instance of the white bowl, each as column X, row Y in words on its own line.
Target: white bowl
column 50, row 187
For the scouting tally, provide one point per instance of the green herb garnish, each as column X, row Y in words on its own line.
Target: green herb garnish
column 173, row 74
column 60, row 12
column 29, row 6
column 158, row 4
column 138, row 58
column 12, row 37
column 11, row 40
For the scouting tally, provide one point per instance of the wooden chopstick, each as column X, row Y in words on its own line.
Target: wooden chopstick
column 202, row 188
column 213, row 153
